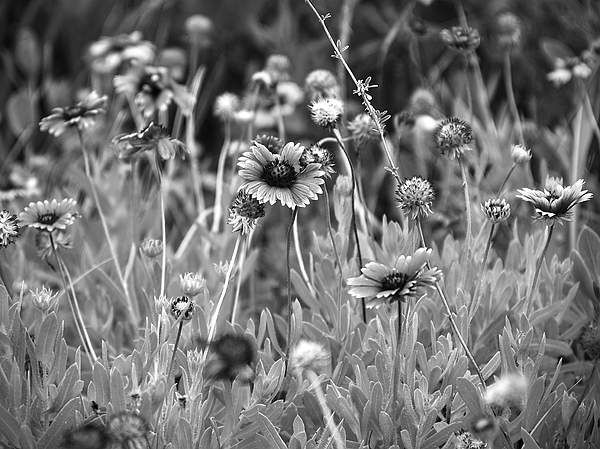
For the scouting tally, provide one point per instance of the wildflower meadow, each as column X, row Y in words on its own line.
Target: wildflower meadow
column 300, row 224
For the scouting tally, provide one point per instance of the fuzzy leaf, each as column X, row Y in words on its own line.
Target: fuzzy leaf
column 26, row 438
column 441, row 436
column 387, row 428
column 270, row 433
column 529, row 442
column 581, row 274
column 46, row 339
column 8, row 427
column 68, row 388
column 117, row 390
column 64, row 420
column 469, row 393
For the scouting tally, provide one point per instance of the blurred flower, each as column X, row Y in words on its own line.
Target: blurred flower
column 422, row 102
column 567, row 68
column 462, row 39
column 174, row 59
column 161, row 302
column 226, row 105
column 452, row 137
column 49, row 215
column 520, row 154
column 198, row 29
column 233, row 355
column 343, row 184
column 9, row 228
column 262, row 79
column 290, row 96
column 182, row 306
column 406, row 279
column 108, row 53
column 321, row 84
column 44, row 299
column 326, row 112
column 307, row 355
column 151, row 248
column 496, row 210
column 508, row 28
column 153, row 89
column 555, row 202
column 243, row 116
column 153, row 138
column 278, row 67
column 485, row 427
column 82, row 115
column 466, row 440
column 415, row 196
column 87, row 436
column 191, row 284
column 244, row 212
column 317, row 154
column 271, row 177
column 19, row 183
column 589, row 338
column 128, row 430
column 363, row 129
column 222, row 268
column 44, row 246
column 510, row 389
column 272, row 143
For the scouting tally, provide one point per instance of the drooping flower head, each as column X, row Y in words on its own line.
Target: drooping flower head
column 9, row 228
column 49, row 215
column 81, row 115
column 317, row 154
column 327, row 112
column 406, row 279
column 496, row 210
column 308, row 355
column 321, row 84
column 452, row 137
column 363, row 129
column 244, row 212
column 46, row 247
column 555, row 202
column 153, row 89
column 107, row 54
column 415, row 196
column 461, row 38
column 153, row 138
column 233, row 355
column 280, row 177
column 128, row 429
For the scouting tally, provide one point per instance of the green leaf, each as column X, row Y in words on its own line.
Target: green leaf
column 21, row 111
column 588, row 246
column 64, row 420
column 469, row 393
column 532, row 408
column 4, row 306
column 529, row 442
column 117, row 390
column 581, row 274
column 8, row 427
column 68, row 388
column 46, row 339
column 441, row 436
column 270, row 433
column 387, row 428
column 26, row 438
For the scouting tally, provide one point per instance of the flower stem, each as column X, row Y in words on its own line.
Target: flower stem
column 279, row 116
column 451, row 319
column 327, row 413
column 512, row 169
column 177, row 338
column 218, row 210
column 289, row 281
column 236, row 299
column 476, row 300
column 538, row 267
column 130, row 304
column 337, row 258
column 299, row 257
column 467, row 253
column 163, row 228
column 510, row 94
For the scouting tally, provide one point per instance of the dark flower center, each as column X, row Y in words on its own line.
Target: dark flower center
column 394, row 280
column 279, row 174
column 73, row 111
column 149, row 85
column 48, row 219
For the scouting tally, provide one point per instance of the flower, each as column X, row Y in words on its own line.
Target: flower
column 244, row 212
column 496, row 210
column 415, row 196
column 278, row 67
column 46, row 247
column 191, row 284
column 307, row 355
column 175, row 59
column 233, row 355
column 462, row 39
column 510, row 389
column 9, row 228
column 466, row 440
column 49, row 215
column 108, row 53
column 226, row 105
column 198, row 29
column 128, row 429
column 484, row 427
column 316, row 154
column 151, row 248
column 82, row 115
column 273, row 144
column 272, row 177
column 152, row 138
column 363, row 129
column 555, row 202
column 567, row 68
column 452, row 137
column 153, row 90
column 182, row 306
column 19, row 183
column 326, row 112
column 520, row 154
column 321, row 84
column 87, row 436
column 508, row 29
column 404, row 280
column 44, row 299
column 262, row 79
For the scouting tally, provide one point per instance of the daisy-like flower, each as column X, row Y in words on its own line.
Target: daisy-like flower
column 233, row 355
column 128, row 429
column 9, row 228
column 496, row 210
column 555, row 202
column 82, row 115
column 317, row 154
column 452, row 137
column 462, row 39
column 44, row 299
column 519, row 154
column 406, row 279
column 153, row 138
column 108, row 53
column 226, row 106
column 191, row 284
column 327, row 112
column 245, row 210
column 415, row 196
column 321, row 84
column 153, row 90
column 363, row 129
column 49, row 215
column 182, row 306
column 308, row 355
column 280, row 177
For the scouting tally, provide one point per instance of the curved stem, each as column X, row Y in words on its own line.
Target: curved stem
column 289, row 280
column 467, row 253
column 476, row 300
column 236, row 299
column 130, row 304
column 163, row 228
column 538, row 267
column 512, row 169
column 218, row 211
column 298, row 250
column 510, row 94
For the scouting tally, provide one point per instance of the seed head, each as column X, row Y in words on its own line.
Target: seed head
column 322, row 84
column 363, row 129
column 496, row 210
column 308, row 355
column 316, row 154
column 272, row 143
column 452, row 137
column 226, row 106
column 589, row 338
column 198, row 29
column 520, row 154
column 415, row 196
column 509, row 30
column 327, row 112
column 278, row 66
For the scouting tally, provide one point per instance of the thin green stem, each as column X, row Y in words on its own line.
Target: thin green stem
column 218, row 209
column 236, row 299
column 467, row 253
column 288, row 248
column 510, row 94
column 163, row 229
column 512, row 169
column 337, row 257
column 538, row 267
column 177, row 338
column 298, row 250
column 279, row 116
column 327, row 413
column 476, row 295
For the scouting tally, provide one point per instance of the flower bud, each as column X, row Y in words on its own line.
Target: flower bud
column 191, row 284
column 151, row 248
column 44, row 299
column 520, row 154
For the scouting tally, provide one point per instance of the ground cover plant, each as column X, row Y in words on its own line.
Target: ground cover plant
column 311, row 224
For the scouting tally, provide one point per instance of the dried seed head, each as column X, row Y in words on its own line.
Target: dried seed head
column 363, row 129
column 226, row 106
column 326, row 112
column 415, row 196
column 452, row 137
